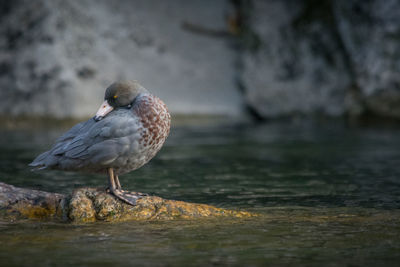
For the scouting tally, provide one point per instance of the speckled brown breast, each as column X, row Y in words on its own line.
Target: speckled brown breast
column 155, row 124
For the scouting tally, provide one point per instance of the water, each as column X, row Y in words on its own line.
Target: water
column 327, row 195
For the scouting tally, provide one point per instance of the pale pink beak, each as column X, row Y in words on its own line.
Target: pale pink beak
column 104, row 109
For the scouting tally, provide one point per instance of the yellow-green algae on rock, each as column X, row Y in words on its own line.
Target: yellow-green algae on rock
column 95, row 204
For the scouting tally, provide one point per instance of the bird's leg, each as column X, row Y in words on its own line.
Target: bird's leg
column 115, row 188
column 117, row 184
column 111, row 180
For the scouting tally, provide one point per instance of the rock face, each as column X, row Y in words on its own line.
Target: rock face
column 370, row 31
column 295, row 57
column 59, row 56
column 93, row 204
column 330, row 57
column 296, row 64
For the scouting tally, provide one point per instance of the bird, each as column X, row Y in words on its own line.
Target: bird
column 128, row 130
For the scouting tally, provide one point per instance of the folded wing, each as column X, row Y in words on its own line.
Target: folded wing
column 92, row 145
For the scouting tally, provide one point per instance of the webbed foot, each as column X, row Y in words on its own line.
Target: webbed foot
column 115, row 189
column 127, row 196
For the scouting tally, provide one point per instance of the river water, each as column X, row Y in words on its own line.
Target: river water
column 327, row 194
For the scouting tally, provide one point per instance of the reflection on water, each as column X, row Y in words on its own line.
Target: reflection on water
column 326, row 194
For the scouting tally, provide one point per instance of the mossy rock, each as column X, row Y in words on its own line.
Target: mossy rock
column 95, row 204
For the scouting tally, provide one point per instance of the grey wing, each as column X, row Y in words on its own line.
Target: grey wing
column 76, row 130
column 50, row 158
column 113, row 142
column 91, row 145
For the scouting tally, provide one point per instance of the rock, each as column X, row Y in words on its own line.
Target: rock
column 306, row 57
column 370, row 32
column 94, row 204
column 322, row 57
column 60, row 55
column 296, row 65
column 31, row 204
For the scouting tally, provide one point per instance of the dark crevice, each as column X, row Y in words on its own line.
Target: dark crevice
column 246, row 40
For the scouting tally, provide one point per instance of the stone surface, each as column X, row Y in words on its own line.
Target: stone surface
column 305, row 57
column 59, row 56
column 322, row 57
column 297, row 66
column 370, row 31
column 94, row 204
column 31, row 204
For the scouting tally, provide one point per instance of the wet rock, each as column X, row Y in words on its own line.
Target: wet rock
column 32, row 204
column 94, row 204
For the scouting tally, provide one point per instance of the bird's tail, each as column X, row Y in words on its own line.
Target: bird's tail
column 39, row 162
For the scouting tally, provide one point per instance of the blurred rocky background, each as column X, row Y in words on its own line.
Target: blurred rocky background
column 269, row 59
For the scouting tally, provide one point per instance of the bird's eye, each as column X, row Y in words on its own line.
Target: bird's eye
column 115, row 96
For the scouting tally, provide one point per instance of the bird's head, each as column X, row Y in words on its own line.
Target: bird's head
column 119, row 94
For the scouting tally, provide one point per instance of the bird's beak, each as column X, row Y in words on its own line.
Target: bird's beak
column 104, row 109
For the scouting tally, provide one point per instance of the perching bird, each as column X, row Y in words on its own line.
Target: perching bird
column 128, row 130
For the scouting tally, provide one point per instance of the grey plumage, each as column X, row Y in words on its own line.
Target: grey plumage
column 94, row 145
column 128, row 130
